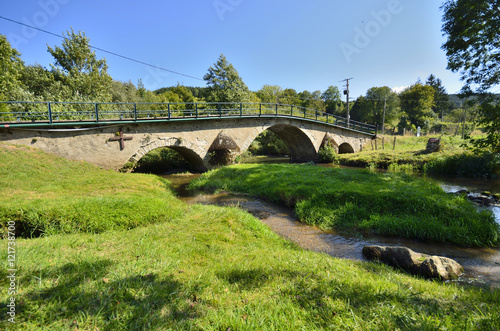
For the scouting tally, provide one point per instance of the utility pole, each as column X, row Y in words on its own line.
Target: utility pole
column 346, row 93
column 383, row 116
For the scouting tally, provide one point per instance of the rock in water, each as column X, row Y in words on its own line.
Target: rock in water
column 415, row 263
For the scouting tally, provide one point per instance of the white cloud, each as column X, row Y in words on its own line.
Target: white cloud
column 399, row 89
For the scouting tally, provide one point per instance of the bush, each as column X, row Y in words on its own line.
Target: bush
column 486, row 165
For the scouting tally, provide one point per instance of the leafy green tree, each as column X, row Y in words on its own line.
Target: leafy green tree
column 416, row 103
column 225, row 84
column 332, row 99
column 312, row 100
column 441, row 98
column 473, row 45
column 361, row 110
column 11, row 67
column 270, row 94
column 78, row 67
column 123, row 91
column 382, row 99
column 290, row 97
column 473, row 49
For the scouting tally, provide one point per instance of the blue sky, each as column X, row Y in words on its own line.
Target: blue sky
column 301, row 45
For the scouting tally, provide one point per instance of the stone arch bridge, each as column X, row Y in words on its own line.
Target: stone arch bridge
column 111, row 135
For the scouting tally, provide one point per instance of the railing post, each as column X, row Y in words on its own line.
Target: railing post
column 260, row 109
column 135, row 111
column 241, row 109
column 305, row 109
column 96, row 112
column 220, row 109
column 316, row 115
column 277, row 109
column 326, row 117
column 50, row 112
column 291, row 111
column 196, row 110
column 168, row 110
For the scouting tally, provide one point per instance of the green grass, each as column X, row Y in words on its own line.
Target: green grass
column 204, row 268
column 348, row 199
column 47, row 195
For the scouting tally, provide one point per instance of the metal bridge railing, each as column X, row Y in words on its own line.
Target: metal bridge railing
column 38, row 113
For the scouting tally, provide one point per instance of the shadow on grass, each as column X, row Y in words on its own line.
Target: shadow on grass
column 344, row 297
column 81, row 295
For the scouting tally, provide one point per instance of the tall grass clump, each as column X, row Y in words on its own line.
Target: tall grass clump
column 485, row 165
column 46, row 195
column 349, row 200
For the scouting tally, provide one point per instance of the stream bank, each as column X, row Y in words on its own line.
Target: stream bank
column 482, row 265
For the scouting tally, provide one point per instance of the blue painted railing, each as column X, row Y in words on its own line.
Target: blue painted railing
column 42, row 114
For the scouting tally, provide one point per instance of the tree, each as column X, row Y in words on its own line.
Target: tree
column 332, row 99
column 473, row 49
column 311, row 100
column 290, row 97
column 416, row 103
column 473, row 43
column 78, row 67
column 270, row 93
column 11, row 67
column 441, row 98
column 225, row 84
column 361, row 110
column 385, row 105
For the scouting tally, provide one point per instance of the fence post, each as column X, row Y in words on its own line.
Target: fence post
column 168, row 110
column 276, row 109
column 96, row 112
column 196, row 109
column 241, row 109
column 305, row 110
column 316, row 115
column 135, row 111
column 291, row 110
column 50, row 112
column 260, row 109
column 220, row 110
column 327, row 118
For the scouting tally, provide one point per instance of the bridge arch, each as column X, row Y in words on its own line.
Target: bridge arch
column 191, row 152
column 299, row 143
column 346, row 148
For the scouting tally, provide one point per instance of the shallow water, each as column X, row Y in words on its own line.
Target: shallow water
column 481, row 265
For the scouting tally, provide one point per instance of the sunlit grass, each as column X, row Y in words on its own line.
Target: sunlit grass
column 358, row 200
column 203, row 268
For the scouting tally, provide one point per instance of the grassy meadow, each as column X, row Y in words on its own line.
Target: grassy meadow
column 408, row 155
column 139, row 259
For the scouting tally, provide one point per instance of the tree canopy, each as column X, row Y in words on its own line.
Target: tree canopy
column 77, row 65
column 473, row 43
column 416, row 103
column 225, row 84
column 473, row 49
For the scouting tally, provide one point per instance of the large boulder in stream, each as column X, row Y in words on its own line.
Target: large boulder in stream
column 424, row 265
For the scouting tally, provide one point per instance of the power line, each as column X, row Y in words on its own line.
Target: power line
column 102, row 50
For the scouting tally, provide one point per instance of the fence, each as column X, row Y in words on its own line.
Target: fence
column 30, row 113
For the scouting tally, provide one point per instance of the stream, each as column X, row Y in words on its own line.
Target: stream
column 481, row 265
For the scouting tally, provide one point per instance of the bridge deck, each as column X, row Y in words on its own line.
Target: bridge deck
column 24, row 114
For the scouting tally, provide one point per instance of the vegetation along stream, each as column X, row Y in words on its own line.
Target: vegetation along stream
column 482, row 265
